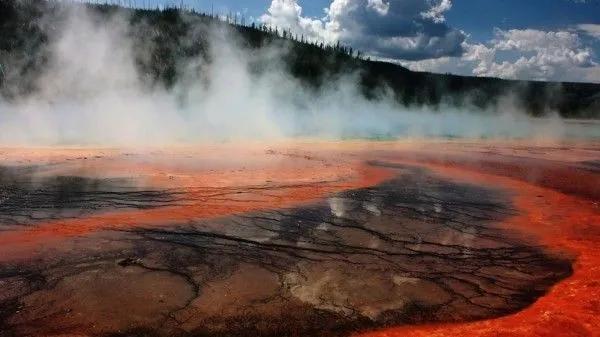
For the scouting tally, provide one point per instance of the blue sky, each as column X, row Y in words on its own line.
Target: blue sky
column 477, row 17
column 525, row 39
column 480, row 17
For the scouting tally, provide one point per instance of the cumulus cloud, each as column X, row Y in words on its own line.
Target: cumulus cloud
column 537, row 55
column 287, row 14
column 554, row 54
column 590, row 29
column 415, row 34
column 379, row 6
column 398, row 29
column 436, row 12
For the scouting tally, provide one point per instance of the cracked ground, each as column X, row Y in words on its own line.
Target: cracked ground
column 411, row 249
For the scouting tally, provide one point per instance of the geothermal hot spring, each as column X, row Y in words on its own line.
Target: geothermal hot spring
column 297, row 238
column 254, row 207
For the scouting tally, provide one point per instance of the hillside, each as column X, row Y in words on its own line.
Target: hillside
column 163, row 40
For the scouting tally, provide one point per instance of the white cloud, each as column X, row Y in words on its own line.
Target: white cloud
column 437, row 10
column 287, row 14
column 590, row 29
column 554, row 54
column 415, row 34
column 379, row 6
column 538, row 55
column 398, row 29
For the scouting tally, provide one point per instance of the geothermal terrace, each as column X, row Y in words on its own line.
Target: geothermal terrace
column 421, row 238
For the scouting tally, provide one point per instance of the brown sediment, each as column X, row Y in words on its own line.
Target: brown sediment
column 273, row 179
column 575, row 177
column 562, row 222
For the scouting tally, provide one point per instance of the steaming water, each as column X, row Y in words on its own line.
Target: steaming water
column 91, row 93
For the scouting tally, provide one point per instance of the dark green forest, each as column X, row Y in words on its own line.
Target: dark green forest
column 164, row 39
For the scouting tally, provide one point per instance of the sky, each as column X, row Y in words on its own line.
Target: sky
column 556, row 40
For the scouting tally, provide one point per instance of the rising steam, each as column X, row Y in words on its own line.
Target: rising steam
column 91, row 92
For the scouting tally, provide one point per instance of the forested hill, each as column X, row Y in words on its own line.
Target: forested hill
column 167, row 37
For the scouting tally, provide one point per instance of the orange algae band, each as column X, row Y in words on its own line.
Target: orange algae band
column 562, row 222
column 18, row 244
